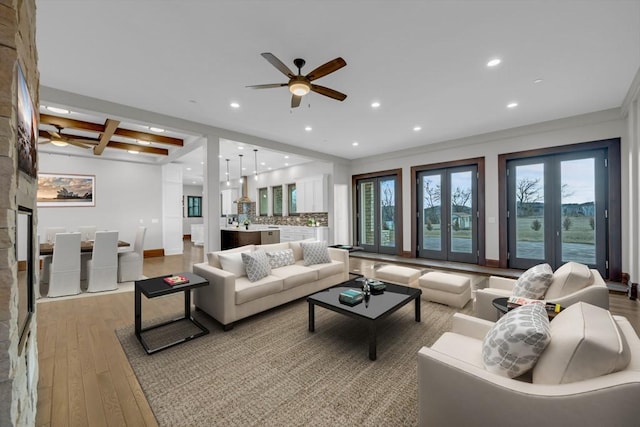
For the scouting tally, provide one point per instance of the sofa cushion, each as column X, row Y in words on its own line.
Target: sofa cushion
column 586, row 343
column 534, row 282
column 315, row 253
column 248, row 291
column 273, row 247
column 295, row 275
column 515, row 342
column 461, row 347
column 213, row 257
column 281, row 258
column 232, row 262
column 256, row 264
column 569, row 278
column 326, row 270
column 297, row 249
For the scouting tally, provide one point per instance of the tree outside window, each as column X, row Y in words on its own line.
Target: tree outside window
column 194, row 206
column 277, row 200
column 263, row 202
column 293, row 209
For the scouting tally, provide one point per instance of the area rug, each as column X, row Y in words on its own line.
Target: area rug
column 270, row 370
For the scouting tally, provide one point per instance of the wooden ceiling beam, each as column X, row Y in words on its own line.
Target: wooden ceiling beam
column 67, row 123
column 110, row 127
column 139, row 148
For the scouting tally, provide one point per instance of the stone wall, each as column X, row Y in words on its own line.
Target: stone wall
column 18, row 366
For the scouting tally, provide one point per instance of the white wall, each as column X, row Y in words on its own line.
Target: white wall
column 589, row 127
column 190, row 190
column 127, row 195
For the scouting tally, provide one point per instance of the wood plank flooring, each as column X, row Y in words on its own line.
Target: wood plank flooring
column 84, row 376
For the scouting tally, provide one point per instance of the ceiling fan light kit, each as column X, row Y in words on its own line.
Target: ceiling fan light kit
column 59, row 143
column 300, row 85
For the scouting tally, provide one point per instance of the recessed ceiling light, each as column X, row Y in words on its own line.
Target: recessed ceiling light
column 193, row 182
column 188, row 169
column 536, row 81
column 141, row 142
column 240, row 147
column 133, row 152
column 354, row 143
column 512, row 105
column 219, row 156
column 202, row 163
column 269, row 168
column 494, row 62
column 286, row 157
column 244, row 169
column 58, row 110
column 417, row 128
column 375, row 104
column 234, row 105
column 262, row 163
column 286, row 164
column 156, row 129
column 308, row 128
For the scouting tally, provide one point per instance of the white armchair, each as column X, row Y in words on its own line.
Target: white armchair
column 571, row 283
column 454, row 388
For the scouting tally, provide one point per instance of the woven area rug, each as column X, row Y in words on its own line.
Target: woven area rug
column 270, row 370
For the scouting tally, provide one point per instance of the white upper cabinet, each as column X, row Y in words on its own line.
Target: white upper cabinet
column 229, row 196
column 311, row 194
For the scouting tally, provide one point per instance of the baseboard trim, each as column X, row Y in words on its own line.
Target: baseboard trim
column 152, row 253
column 406, row 254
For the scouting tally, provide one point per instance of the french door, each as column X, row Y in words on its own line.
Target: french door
column 448, row 214
column 557, row 210
column 377, row 214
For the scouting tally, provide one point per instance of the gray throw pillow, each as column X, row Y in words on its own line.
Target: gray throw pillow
column 315, row 253
column 256, row 264
column 515, row 342
column 534, row 282
column 281, row 258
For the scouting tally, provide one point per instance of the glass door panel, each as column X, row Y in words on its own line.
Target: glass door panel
column 461, row 190
column 377, row 212
column 431, row 212
column 529, row 211
column 388, row 212
column 367, row 215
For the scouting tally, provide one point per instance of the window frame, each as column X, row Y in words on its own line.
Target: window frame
column 266, row 195
column 191, row 207
column 274, row 190
column 290, row 210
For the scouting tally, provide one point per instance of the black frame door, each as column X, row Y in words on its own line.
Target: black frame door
column 377, row 214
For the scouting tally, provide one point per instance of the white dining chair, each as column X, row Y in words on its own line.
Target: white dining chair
column 50, row 235
column 102, row 268
column 130, row 263
column 87, row 232
column 64, row 277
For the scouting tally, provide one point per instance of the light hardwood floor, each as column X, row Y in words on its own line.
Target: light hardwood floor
column 85, row 378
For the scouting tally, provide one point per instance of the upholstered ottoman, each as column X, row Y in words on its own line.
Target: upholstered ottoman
column 445, row 288
column 399, row 275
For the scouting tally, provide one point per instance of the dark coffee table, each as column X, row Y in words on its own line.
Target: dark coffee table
column 372, row 312
column 156, row 287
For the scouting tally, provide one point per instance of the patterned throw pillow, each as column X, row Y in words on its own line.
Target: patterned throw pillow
column 515, row 342
column 534, row 282
column 257, row 265
column 281, row 258
column 315, row 253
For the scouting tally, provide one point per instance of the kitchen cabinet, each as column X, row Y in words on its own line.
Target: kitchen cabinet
column 312, row 194
column 236, row 237
column 228, row 205
column 293, row 233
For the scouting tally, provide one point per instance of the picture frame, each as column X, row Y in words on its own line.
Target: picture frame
column 27, row 131
column 66, row 190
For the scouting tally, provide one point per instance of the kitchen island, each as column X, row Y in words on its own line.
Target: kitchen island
column 236, row 237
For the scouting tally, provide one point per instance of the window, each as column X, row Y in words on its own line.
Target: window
column 277, row 200
column 263, row 202
column 194, row 206
column 291, row 190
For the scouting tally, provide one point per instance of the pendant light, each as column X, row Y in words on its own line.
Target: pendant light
column 255, row 163
column 240, row 180
column 228, row 182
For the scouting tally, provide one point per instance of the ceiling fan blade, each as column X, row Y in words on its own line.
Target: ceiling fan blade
column 267, row 86
column 328, row 92
column 76, row 143
column 327, row 68
column 54, row 134
column 278, row 64
column 295, row 101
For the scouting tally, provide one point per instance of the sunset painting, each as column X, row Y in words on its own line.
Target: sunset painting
column 66, row 190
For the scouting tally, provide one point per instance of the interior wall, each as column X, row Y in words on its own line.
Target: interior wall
column 189, row 190
column 128, row 195
column 18, row 363
column 588, row 127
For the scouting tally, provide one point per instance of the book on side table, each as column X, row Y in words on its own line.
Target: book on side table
column 176, row 280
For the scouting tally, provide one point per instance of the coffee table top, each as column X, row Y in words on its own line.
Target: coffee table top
column 378, row 305
column 156, row 286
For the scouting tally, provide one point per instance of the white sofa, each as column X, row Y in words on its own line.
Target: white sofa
column 230, row 297
column 455, row 389
column 572, row 282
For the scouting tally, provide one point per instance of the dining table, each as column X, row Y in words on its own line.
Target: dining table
column 46, row 248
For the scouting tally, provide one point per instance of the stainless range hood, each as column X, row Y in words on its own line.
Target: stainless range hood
column 244, row 189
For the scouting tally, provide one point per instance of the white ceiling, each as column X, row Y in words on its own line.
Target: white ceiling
column 424, row 61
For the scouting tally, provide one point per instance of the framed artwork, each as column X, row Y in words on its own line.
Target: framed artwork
column 57, row 190
column 27, row 128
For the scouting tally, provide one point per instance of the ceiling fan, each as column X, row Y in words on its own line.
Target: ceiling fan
column 300, row 85
column 56, row 138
